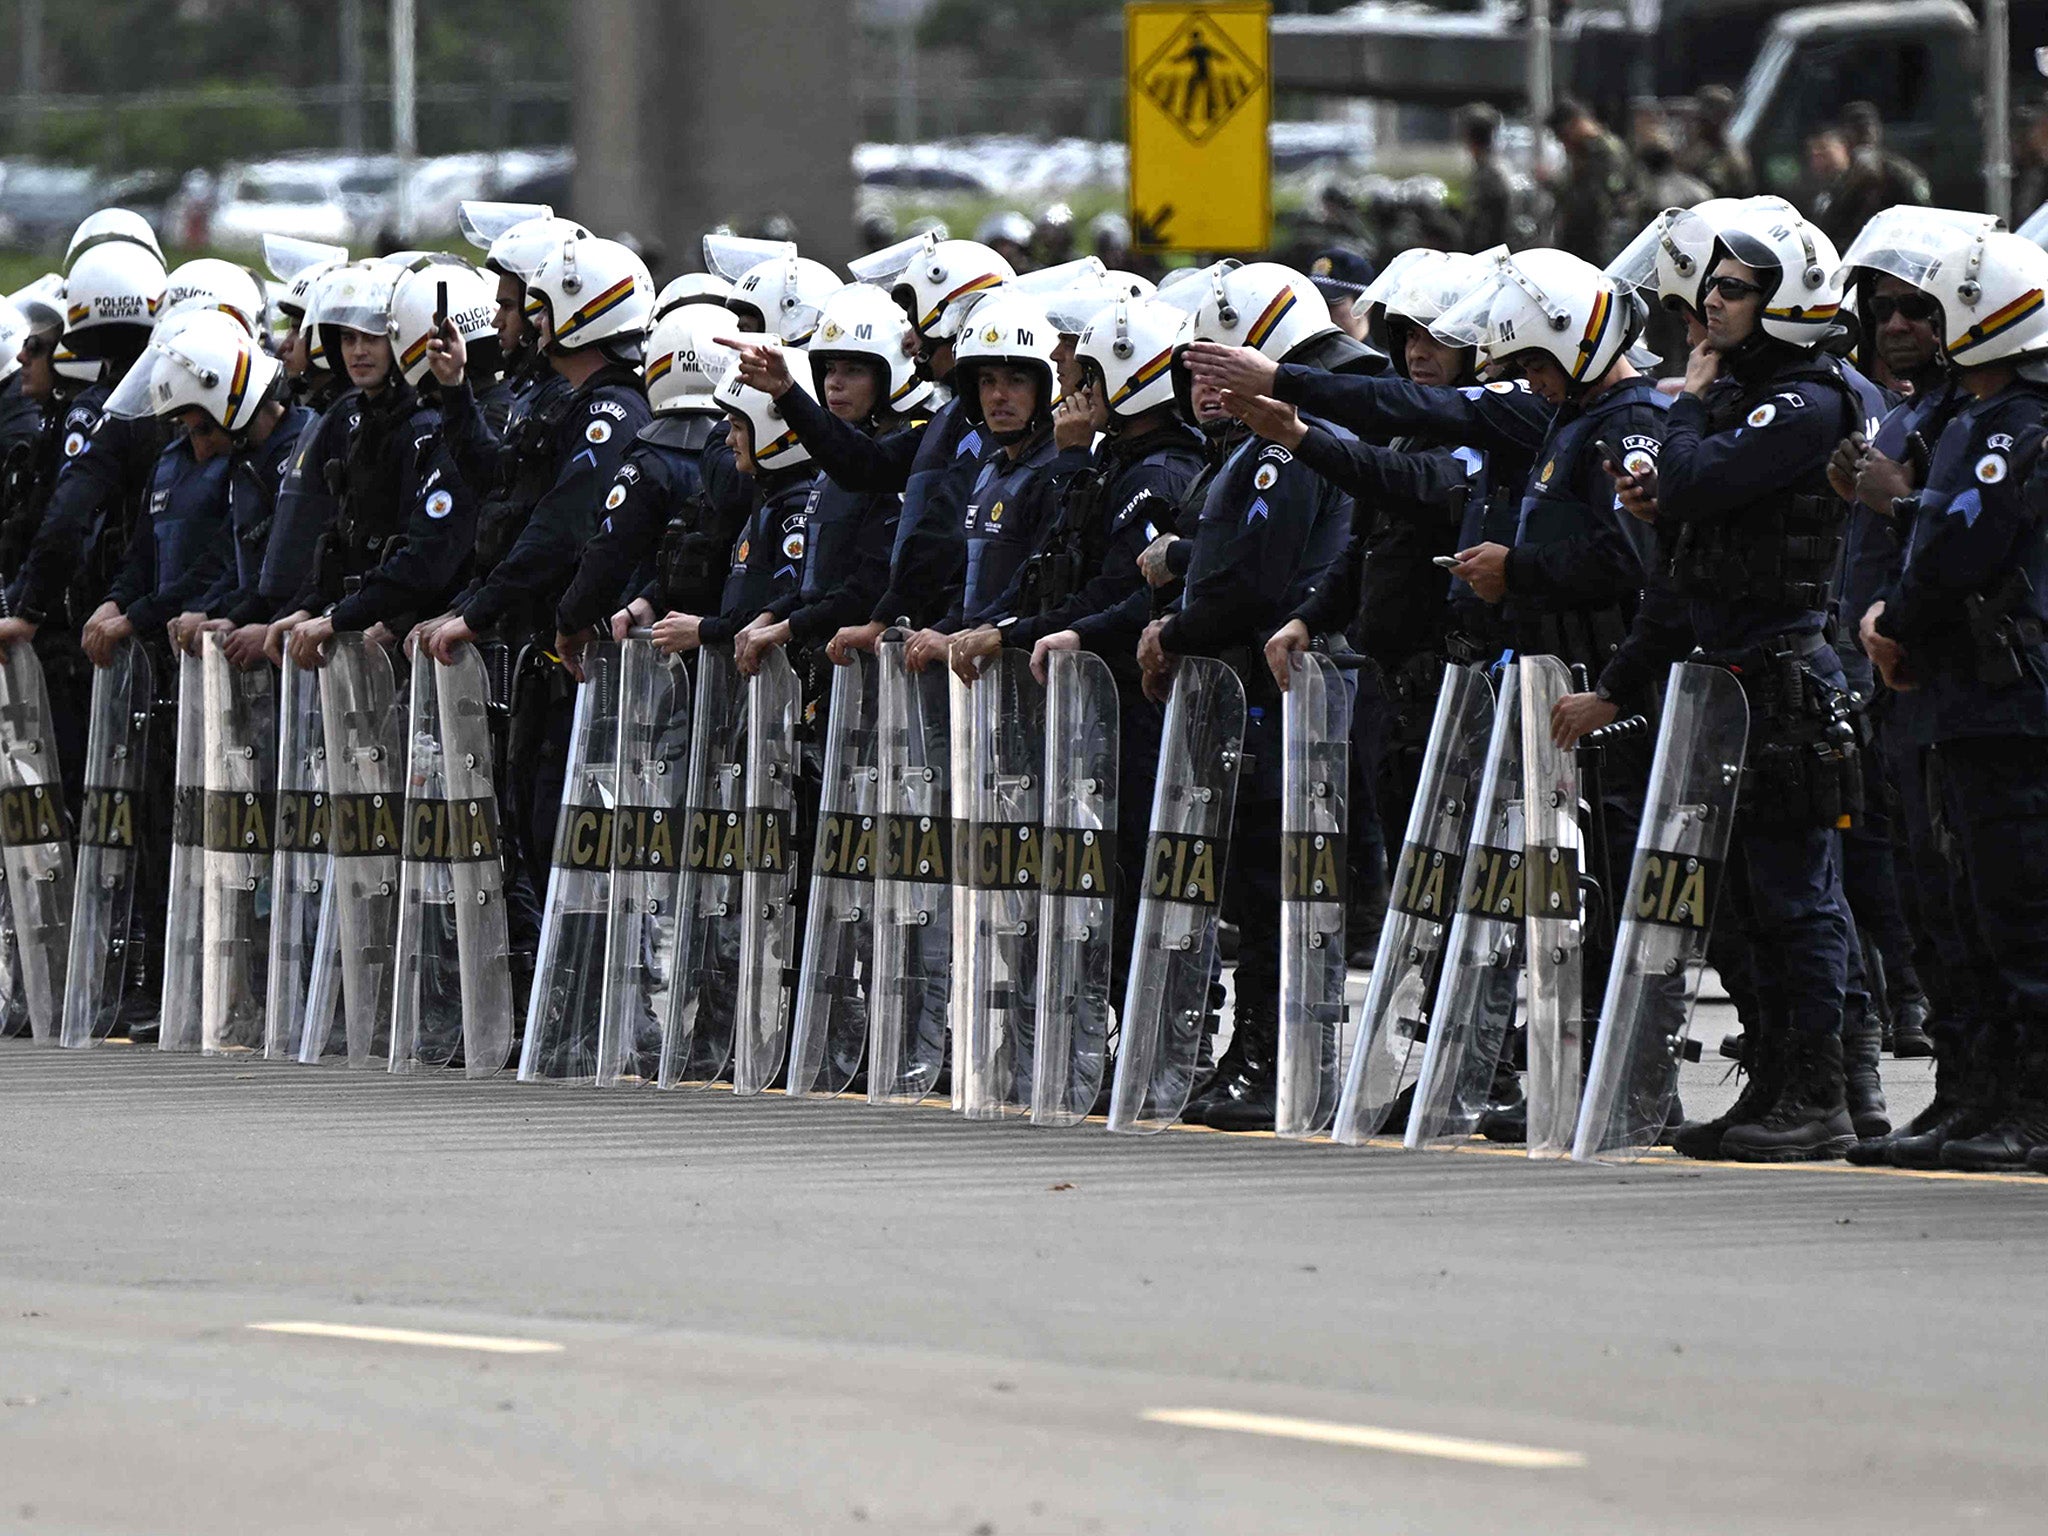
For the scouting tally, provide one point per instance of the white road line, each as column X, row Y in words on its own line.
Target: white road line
column 476, row 1341
column 1366, row 1437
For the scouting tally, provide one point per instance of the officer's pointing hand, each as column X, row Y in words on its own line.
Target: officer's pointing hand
column 448, row 355
column 1237, row 369
column 1274, row 420
column 1292, row 637
column 762, row 365
column 1041, row 653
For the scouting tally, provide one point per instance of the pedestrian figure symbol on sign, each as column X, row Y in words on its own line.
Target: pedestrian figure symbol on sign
column 1199, row 78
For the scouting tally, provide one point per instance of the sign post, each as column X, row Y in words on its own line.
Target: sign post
column 1198, row 98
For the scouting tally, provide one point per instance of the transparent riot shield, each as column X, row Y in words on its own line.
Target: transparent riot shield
column 1427, row 883
column 451, row 975
column 1002, row 802
column 913, row 957
column 1315, row 730
column 481, row 934
column 640, row 934
column 1554, row 937
column 241, row 785
column 568, row 977
column 830, row 1033
column 768, row 922
column 35, row 839
column 1673, row 888
column 185, row 913
column 305, row 946
column 1174, row 953
column 1475, row 997
column 697, row 1041
column 100, row 967
column 363, row 721
column 1077, row 903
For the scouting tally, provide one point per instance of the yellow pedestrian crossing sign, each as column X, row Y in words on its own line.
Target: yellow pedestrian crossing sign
column 1198, row 99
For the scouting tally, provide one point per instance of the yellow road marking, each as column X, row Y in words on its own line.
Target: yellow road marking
column 476, row 1341
column 1365, row 1437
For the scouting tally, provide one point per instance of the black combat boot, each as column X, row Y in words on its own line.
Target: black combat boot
column 1702, row 1138
column 2022, row 1124
column 1242, row 1097
column 1862, row 1040
column 1506, row 1116
column 1967, row 1097
column 1950, row 1069
column 1810, row 1120
column 1910, row 1013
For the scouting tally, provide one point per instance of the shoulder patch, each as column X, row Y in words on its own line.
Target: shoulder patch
column 1501, row 387
column 629, row 472
column 1548, row 470
column 1792, row 398
column 1991, row 469
column 615, row 499
column 74, row 444
column 440, row 504
column 1763, row 415
column 1273, row 453
column 1639, row 461
column 1999, row 442
column 793, row 544
column 1642, row 440
column 1266, row 477
column 610, row 408
column 598, row 432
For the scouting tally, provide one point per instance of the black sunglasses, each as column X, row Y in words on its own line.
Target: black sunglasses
column 1916, row 307
column 1732, row 288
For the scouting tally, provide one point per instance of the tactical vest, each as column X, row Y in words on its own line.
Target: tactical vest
column 368, row 484
column 1783, row 550
column 691, row 560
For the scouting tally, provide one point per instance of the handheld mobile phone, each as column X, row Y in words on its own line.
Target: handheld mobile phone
column 1444, row 562
column 440, row 305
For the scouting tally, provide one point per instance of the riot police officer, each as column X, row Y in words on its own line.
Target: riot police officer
column 1270, row 529
column 1964, row 623
column 678, row 499
column 406, row 518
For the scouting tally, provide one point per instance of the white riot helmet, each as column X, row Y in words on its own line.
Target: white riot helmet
column 1426, row 288
column 1546, row 301
column 201, row 359
column 785, row 294
column 210, row 283
column 1131, row 345
column 1270, row 308
column 1668, row 261
column 112, row 224
column 1904, row 243
column 705, row 288
column 776, row 445
column 356, row 297
column 863, row 323
column 1012, row 329
column 14, row 332
column 685, row 363
column 465, row 297
column 1991, row 286
column 1796, row 263
column 481, row 221
column 592, row 291
column 515, row 236
column 111, row 299
column 927, row 274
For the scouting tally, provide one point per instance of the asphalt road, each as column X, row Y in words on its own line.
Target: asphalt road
column 697, row 1313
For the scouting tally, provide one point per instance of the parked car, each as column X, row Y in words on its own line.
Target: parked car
column 286, row 197
column 41, row 203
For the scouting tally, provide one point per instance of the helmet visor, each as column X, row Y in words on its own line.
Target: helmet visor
column 1636, row 266
column 482, row 222
column 883, row 267
column 733, row 256
column 287, row 255
column 1907, row 243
